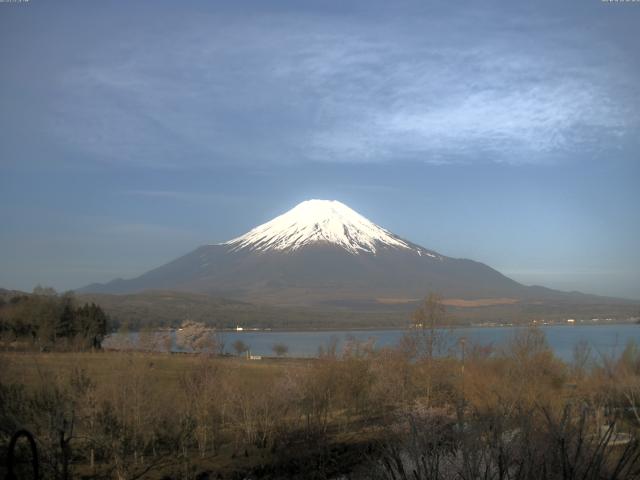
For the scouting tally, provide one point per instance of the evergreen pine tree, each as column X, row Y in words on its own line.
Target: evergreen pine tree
column 65, row 325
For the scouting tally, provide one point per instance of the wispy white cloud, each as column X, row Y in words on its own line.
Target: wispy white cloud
column 294, row 88
column 190, row 196
column 143, row 230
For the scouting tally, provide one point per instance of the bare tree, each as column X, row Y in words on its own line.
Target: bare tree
column 427, row 338
column 581, row 357
column 280, row 349
column 198, row 338
column 240, row 347
column 430, row 315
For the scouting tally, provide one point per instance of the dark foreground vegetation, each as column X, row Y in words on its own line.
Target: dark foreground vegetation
column 397, row 414
column 45, row 320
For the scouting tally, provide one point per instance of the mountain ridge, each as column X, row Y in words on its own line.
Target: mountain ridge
column 322, row 252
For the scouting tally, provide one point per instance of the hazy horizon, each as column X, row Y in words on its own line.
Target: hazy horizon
column 504, row 133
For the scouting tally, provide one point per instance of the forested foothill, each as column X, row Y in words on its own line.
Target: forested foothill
column 408, row 412
column 169, row 309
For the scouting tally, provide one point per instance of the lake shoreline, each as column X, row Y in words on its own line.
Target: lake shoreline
column 409, row 327
column 604, row 339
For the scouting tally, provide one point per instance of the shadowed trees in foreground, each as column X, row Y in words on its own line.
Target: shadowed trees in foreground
column 46, row 320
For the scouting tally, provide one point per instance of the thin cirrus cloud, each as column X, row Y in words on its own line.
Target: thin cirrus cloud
column 185, row 196
column 291, row 89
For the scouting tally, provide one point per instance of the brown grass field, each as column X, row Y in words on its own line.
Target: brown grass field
column 181, row 416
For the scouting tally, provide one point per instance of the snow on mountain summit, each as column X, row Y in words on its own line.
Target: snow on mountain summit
column 319, row 221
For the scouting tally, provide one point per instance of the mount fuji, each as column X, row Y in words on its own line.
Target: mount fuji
column 323, row 252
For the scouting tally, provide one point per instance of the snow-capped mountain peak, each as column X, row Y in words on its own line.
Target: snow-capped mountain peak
column 320, row 221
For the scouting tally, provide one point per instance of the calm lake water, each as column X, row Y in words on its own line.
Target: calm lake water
column 603, row 339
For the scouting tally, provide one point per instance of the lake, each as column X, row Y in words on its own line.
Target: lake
column 608, row 339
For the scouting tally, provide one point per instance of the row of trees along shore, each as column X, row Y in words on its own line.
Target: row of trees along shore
column 409, row 412
column 46, row 320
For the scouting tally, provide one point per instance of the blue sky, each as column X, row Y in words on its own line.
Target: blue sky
column 506, row 132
